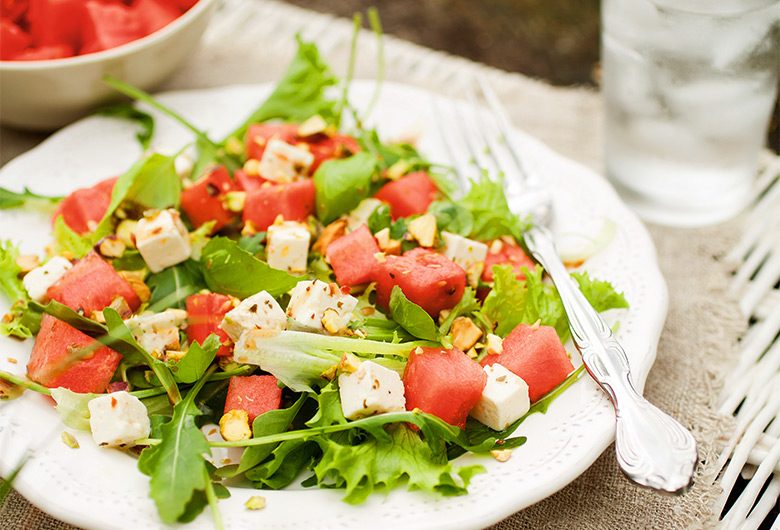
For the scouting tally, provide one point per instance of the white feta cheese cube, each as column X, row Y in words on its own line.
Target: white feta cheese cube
column 118, row 420
column 157, row 332
column 162, row 239
column 371, row 389
column 220, row 456
column 504, row 399
column 362, row 212
column 288, row 246
column 38, row 280
column 282, row 162
column 316, row 305
column 464, row 251
column 259, row 311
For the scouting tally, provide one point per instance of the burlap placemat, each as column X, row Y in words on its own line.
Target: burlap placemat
column 703, row 324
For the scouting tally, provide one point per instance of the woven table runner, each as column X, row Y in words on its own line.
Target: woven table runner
column 251, row 41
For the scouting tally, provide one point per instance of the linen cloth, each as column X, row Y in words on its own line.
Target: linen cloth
column 252, row 42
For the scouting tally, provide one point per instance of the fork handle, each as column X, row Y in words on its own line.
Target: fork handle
column 653, row 449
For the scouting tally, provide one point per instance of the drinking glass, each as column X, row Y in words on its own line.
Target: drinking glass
column 689, row 87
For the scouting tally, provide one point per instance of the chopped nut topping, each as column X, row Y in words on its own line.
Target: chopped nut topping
column 380, row 257
column 398, row 170
column 465, row 333
column 474, row 273
column 69, row 440
column 495, row 344
column 28, row 262
column 423, row 229
column 234, row 201
column 330, row 321
column 496, row 246
column 502, row 455
column 330, row 233
column 314, row 125
column 124, row 232
column 252, row 167
column 349, row 363
column 137, row 284
column 112, row 247
column 234, row 426
column 255, row 502
column 249, row 229
column 234, row 146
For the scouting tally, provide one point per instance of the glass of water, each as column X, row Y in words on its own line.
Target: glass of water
column 689, row 87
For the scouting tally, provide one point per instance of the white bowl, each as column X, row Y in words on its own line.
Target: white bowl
column 45, row 95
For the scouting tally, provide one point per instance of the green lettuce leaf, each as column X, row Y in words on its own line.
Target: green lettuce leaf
column 10, row 284
column 14, row 199
column 492, row 218
column 72, row 407
column 66, row 240
column 412, row 317
column 229, row 269
column 452, row 217
column 601, row 295
column 340, row 185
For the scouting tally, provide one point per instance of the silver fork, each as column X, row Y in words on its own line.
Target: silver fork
column 653, row 449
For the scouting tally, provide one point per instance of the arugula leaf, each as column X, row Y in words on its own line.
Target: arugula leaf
column 254, row 243
column 601, row 295
column 387, row 154
column 452, row 217
column 229, row 269
column 170, row 287
column 131, row 260
column 300, row 94
column 340, row 185
column 412, row 317
column 128, row 112
column 380, row 219
column 467, row 304
column 72, row 407
column 14, row 199
column 10, row 283
column 376, row 464
column 287, row 461
column 177, row 465
column 66, row 240
column 490, row 211
column 197, row 360
column 152, row 182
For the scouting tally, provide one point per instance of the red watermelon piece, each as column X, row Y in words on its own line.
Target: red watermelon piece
column 506, row 254
column 445, row 383
column 536, row 354
column 57, row 23
column 205, row 313
column 51, row 361
column 107, row 26
column 430, row 280
column 293, row 201
column 247, row 182
column 256, row 394
column 45, row 53
column 329, row 147
column 352, row 257
column 409, row 195
column 13, row 40
column 204, row 200
column 91, row 285
column 258, row 135
column 13, row 10
column 86, row 207
column 156, row 14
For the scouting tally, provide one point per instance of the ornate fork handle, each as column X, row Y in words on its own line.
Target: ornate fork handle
column 653, row 449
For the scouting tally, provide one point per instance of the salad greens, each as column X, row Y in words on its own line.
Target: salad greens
column 144, row 120
column 280, row 376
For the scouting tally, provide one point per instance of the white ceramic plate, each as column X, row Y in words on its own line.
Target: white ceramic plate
column 101, row 489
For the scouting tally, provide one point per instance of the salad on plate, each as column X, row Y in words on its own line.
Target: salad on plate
column 301, row 302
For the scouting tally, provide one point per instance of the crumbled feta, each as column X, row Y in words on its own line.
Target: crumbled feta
column 38, row 280
column 259, row 311
column 118, row 419
column 220, row 456
column 362, row 212
column 504, row 399
column 316, row 305
column 157, row 332
column 464, row 251
column 282, row 162
column 371, row 389
column 162, row 239
column 288, row 246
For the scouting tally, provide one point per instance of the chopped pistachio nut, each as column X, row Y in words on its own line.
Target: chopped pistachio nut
column 472, row 353
column 465, row 333
column 112, row 247
column 9, row 390
column 380, row 257
column 496, row 246
column 398, row 170
column 474, row 273
column 502, row 455
column 331, row 321
column 494, row 344
column 423, row 229
column 234, row 426
column 255, row 502
column 330, row 373
column 234, row 201
column 329, row 234
column 349, row 363
column 314, row 125
column 234, row 146
column 136, row 281
column 443, row 314
column 249, row 229
column 174, row 355
column 124, row 232
column 252, row 167
column 383, row 237
column 69, row 440
column 27, row 262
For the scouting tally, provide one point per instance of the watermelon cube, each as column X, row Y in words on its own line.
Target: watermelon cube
column 353, row 257
column 56, row 22
column 506, row 253
column 536, row 354
column 430, row 280
column 91, row 285
column 409, row 195
column 107, row 26
column 256, row 394
column 84, row 208
column 445, row 383
column 55, row 359
column 155, row 14
column 329, row 147
column 204, row 315
column 293, row 201
column 248, row 182
column 259, row 134
column 13, row 38
column 204, row 200
column 46, row 53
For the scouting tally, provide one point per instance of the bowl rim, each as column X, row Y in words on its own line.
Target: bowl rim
column 200, row 7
